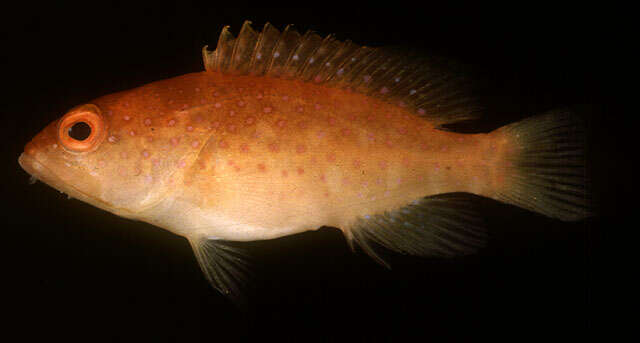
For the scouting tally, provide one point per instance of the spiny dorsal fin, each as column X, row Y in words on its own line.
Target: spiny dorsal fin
column 427, row 89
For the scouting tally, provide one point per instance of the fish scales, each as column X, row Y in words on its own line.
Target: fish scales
column 300, row 155
column 286, row 133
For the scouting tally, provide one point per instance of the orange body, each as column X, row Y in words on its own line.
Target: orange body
column 271, row 156
column 247, row 157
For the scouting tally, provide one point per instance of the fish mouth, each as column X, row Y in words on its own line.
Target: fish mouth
column 40, row 172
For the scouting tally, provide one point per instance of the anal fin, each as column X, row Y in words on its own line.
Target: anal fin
column 442, row 226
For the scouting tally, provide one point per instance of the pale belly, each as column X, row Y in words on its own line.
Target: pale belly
column 264, row 193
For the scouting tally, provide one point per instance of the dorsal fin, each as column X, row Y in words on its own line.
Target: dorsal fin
column 429, row 90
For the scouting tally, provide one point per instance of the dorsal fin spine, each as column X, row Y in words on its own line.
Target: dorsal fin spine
column 288, row 41
column 395, row 78
column 222, row 50
column 317, row 59
column 261, row 56
column 299, row 57
column 362, row 78
column 243, row 49
column 336, row 61
column 350, row 65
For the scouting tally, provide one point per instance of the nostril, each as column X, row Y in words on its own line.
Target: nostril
column 30, row 149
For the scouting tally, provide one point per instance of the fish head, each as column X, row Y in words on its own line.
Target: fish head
column 79, row 155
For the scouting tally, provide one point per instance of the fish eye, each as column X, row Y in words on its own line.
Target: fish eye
column 82, row 129
column 79, row 131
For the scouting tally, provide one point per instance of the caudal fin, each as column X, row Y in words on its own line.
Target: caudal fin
column 545, row 166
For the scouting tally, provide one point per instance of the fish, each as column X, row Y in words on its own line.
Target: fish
column 284, row 133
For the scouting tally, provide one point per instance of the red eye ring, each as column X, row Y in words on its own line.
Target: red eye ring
column 88, row 114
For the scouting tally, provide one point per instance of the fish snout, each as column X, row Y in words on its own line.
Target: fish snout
column 45, row 139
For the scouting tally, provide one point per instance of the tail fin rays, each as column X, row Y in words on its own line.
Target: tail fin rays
column 545, row 171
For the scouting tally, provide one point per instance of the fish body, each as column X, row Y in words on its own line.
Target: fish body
column 247, row 152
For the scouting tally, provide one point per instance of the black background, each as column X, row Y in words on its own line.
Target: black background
column 77, row 273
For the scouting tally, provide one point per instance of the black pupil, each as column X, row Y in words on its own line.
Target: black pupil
column 80, row 131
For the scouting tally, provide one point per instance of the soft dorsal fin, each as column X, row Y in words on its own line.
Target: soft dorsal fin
column 429, row 90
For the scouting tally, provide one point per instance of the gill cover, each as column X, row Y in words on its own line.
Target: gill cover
column 88, row 114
